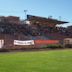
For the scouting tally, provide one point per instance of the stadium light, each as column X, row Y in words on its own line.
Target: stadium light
column 60, row 18
column 25, row 11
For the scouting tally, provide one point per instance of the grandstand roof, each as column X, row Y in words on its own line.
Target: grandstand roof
column 42, row 20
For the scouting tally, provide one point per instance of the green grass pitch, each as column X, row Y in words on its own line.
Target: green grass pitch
column 38, row 61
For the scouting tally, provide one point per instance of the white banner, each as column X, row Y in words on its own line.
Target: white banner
column 27, row 42
column 1, row 43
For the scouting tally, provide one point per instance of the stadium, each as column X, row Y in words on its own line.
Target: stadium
column 33, row 32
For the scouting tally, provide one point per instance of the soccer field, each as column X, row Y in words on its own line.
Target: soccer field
column 38, row 61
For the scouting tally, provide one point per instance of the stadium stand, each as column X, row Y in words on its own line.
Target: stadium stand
column 40, row 28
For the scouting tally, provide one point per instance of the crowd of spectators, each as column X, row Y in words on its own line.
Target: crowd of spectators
column 10, row 27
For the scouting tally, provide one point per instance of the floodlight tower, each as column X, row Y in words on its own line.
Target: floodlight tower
column 60, row 18
column 25, row 11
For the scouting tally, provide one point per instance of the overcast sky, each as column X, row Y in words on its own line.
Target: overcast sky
column 45, row 8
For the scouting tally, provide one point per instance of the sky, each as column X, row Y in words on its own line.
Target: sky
column 58, row 9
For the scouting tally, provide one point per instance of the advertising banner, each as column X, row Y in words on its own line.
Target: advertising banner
column 27, row 42
column 46, row 41
column 1, row 43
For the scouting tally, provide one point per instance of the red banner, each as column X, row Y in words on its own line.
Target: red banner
column 46, row 41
